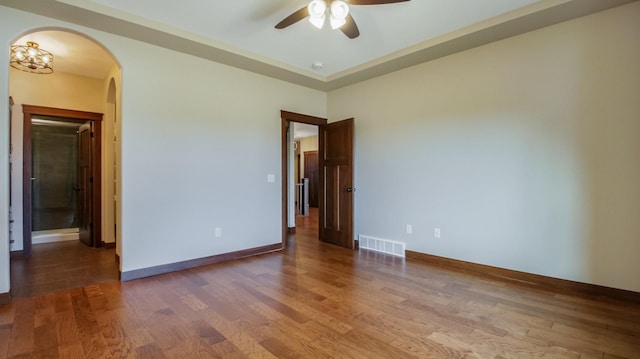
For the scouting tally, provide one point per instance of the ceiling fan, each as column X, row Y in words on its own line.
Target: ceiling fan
column 338, row 11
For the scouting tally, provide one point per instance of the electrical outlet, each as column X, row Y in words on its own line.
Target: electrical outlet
column 409, row 229
column 218, row 232
column 436, row 233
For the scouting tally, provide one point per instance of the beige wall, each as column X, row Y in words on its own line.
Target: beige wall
column 296, row 153
column 307, row 144
column 524, row 152
column 58, row 90
column 111, row 99
column 196, row 157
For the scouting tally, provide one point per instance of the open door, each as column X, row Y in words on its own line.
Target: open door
column 336, row 178
column 85, row 185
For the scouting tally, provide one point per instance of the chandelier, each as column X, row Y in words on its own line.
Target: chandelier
column 31, row 58
column 338, row 12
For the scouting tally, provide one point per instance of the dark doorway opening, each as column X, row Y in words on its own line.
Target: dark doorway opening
column 90, row 191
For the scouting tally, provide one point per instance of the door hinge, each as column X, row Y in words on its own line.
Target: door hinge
column 91, row 180
column 91, row 134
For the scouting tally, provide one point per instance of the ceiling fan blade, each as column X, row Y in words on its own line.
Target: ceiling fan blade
column 293, row 18
column 374, row 2
column 350, row 28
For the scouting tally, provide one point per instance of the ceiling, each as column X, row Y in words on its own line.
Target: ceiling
column 72, row 53
column 249, row 25
column 302, row 130
column 241, row 33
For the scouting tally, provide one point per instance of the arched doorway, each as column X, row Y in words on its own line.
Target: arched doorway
column 84, row 80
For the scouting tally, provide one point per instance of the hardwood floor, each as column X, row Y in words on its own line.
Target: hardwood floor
column 58, row 266
column 315, row 300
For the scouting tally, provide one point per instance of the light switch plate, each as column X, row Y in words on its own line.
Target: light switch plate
column 271, row 178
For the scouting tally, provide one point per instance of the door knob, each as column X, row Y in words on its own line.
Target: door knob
column 351, row 189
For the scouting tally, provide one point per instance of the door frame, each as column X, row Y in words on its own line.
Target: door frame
column 29, row 111
column 287, row 118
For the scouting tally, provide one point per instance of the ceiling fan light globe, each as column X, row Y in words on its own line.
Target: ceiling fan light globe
column 317, row 8
column 317, row 21
column 339, row 9
column 337, row 22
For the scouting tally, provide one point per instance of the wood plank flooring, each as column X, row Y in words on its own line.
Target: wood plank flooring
column 58, row 266
column 317, row 301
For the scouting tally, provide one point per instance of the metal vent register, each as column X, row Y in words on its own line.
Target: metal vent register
column 382, row 245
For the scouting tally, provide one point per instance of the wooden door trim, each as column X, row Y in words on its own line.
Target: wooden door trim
column 286, row 117
column 28, row 112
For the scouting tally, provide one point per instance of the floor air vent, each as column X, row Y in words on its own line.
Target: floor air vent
column 382, row 245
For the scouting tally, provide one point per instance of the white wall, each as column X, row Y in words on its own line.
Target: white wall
column 197, row 145
column 198, row 140
column 58, row 90
column 4, row 169
column 524, row 152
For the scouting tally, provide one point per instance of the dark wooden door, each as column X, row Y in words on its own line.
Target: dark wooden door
column 85, row 185
column 336, row 168
column 311, row 172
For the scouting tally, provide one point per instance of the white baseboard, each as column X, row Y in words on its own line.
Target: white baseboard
column 55, row 236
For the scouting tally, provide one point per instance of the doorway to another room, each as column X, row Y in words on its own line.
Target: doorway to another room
column 61, row 204
column 64, row 165
column 333, row 190
column 306, row 179
column 59, row 200
column 300, row 134
column 62, row 151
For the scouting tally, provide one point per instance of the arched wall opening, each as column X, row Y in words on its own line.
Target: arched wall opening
column 86, row 77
